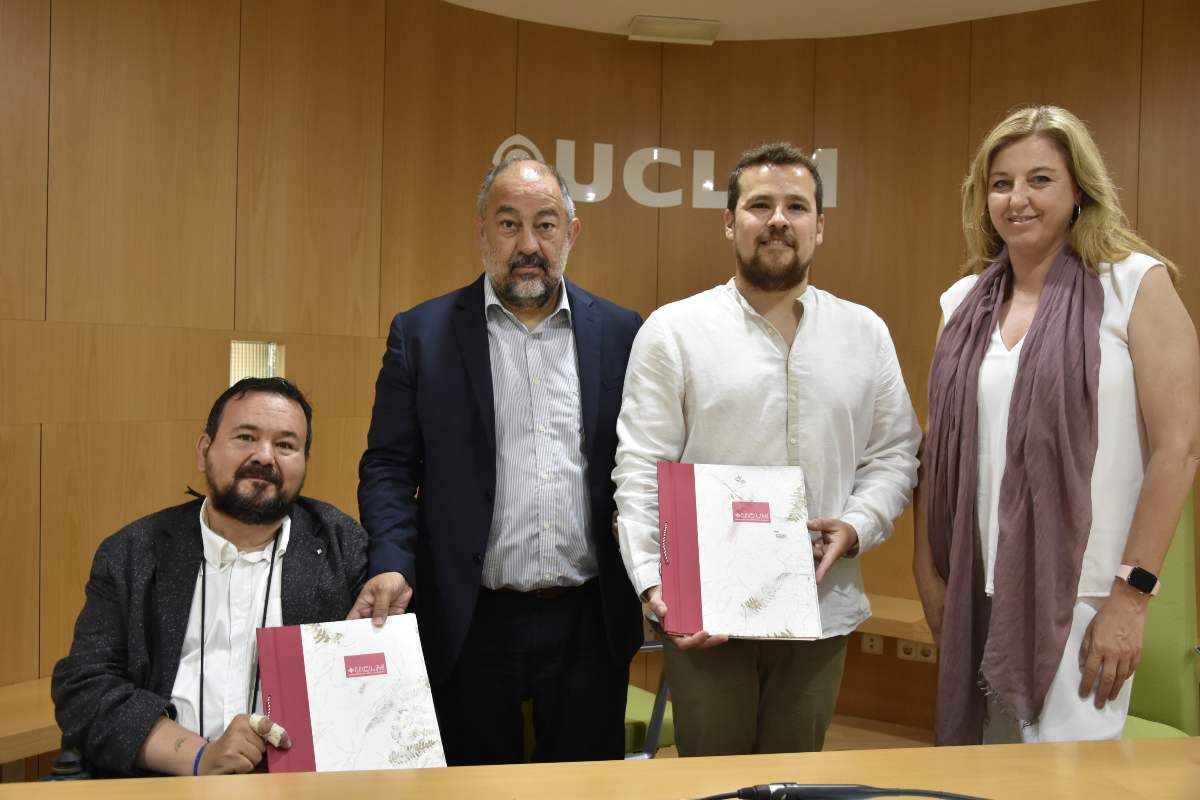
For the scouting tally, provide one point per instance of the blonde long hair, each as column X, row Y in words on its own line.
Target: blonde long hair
column 1101, row 233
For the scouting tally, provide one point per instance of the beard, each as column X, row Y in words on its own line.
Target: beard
column 767, row 277
column 259, row 507
column 525, row 293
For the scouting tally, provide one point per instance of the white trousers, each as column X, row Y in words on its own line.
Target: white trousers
column 1065, row 715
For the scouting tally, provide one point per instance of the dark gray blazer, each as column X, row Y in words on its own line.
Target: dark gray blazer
column 117, row 680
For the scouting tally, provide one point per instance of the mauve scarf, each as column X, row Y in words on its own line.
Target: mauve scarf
column 1045, row 495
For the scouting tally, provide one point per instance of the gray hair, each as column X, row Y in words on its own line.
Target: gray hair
column 486, row 187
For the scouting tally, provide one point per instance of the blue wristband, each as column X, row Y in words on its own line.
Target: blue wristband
column 200, row 752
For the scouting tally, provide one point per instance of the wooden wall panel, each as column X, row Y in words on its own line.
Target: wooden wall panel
column 310, row 144
column 336, row 373
column 143, row 136
column 64, row 372
column 140, row 374
column 97, row 478
column 451, row 101
column 24, row 117
column 22, row 386
column 1094, row 71
column 338, row 443
column 324, row 367
column 1170, row 118
column 885, row 688
column 893, row 242
column 708, row 104
column 590, row 88
column 20, row 478
column 368, row 359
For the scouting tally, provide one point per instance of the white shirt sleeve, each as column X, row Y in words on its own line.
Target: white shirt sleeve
column 887, row 470
column 952, row 298
column 650, row 429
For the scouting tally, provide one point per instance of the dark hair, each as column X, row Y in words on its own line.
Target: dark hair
column 486, row 187
column 280, row 386
column 775, row 154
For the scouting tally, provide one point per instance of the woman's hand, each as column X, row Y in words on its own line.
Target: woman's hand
column 1112, row 645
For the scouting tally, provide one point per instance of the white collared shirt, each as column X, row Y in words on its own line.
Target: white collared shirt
column 236, row 585
column 540, row 533
column 711, row 381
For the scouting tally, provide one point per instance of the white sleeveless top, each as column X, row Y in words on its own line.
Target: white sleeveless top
column 1121, row 441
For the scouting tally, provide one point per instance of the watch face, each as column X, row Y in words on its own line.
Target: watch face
column 1142, row 580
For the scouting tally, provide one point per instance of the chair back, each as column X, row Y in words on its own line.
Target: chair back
column 1166, row 686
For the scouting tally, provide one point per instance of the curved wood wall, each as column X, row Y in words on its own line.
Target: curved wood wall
column 174, row 175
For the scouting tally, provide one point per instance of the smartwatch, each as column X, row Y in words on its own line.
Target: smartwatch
column 1143, row 580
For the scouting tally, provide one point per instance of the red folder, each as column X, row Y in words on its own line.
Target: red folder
column 680, row 566
column 285, row 697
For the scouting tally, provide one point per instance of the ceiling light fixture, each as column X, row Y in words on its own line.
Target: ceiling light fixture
column 673, row 30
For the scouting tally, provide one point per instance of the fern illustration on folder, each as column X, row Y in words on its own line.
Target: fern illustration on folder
column 350, row 695
column 736, row 551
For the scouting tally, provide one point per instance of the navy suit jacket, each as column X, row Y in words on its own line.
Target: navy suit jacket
column 427, row 479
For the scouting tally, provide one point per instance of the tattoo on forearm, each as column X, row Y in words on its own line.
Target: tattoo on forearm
column 178, row 744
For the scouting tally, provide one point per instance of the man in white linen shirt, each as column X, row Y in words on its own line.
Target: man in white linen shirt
column 767, row 370
column 143, row 690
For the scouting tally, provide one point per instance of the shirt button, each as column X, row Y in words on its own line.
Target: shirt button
column 546, row 525
column 541, row 429
column 537, row 381
column 545, row 475
column 792, row 440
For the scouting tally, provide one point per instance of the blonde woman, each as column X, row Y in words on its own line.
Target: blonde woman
column 1064, row 417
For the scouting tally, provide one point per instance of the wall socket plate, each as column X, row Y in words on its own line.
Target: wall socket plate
column 872, row 643
column 907, row 650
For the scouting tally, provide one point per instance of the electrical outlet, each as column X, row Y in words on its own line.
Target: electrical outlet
column 907, row 650
column 872, row 643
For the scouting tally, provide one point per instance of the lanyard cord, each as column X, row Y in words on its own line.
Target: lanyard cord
column 253, row 701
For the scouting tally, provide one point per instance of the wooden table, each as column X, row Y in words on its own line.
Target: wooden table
column 1156, row 768
column 27, row 725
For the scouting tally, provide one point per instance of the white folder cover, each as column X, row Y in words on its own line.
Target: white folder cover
column 736, row 552
column 350, row 695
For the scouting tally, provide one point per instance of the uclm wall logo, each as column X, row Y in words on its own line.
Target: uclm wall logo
column 704, row 193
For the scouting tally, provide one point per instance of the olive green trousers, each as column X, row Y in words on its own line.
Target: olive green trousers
column 752, row 696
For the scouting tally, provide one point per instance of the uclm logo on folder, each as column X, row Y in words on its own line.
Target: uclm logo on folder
column 751, row 512
column 366, row 665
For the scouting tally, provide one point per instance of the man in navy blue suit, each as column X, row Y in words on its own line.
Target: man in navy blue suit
column 486, row 489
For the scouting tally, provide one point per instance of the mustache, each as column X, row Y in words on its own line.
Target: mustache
column 260, row 471
column 529, row 260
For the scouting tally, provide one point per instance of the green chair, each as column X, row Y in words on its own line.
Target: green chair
column 1166, row 688
column 649, row 718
